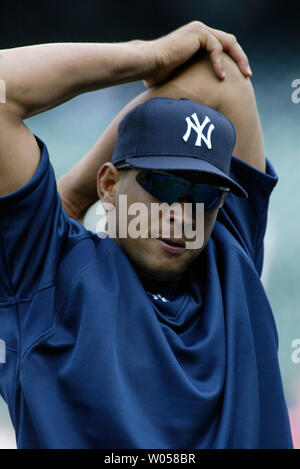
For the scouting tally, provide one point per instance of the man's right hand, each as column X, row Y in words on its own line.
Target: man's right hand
column 179, row 46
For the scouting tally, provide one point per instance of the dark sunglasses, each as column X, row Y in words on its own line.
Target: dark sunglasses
column 170, row 188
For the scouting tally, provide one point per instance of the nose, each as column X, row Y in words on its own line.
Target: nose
column 188, row 212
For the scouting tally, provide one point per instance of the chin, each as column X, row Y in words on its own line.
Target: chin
column 152, row 262
column 162, row 270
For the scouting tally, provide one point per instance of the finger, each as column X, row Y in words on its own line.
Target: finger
column 233, row 48
column 215, row 49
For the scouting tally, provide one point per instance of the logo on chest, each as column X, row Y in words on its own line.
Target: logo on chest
column 157, row 296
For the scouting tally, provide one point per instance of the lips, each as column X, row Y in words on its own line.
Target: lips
column 174, row 242
column 174, row 246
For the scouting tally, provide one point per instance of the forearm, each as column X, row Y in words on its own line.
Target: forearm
column 43, row 76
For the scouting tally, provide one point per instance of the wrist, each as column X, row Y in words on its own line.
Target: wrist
column 134, row 60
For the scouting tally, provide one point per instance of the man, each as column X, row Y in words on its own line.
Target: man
column 139, row 343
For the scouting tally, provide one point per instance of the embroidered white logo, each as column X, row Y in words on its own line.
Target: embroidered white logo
column 198, row 128
column 2, row 351
column 159, row 297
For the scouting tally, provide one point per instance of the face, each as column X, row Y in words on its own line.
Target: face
column 152, row 257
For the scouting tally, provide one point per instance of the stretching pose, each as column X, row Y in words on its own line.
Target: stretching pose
column 139, row 342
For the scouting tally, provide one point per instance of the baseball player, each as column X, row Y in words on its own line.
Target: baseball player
column 139, row 342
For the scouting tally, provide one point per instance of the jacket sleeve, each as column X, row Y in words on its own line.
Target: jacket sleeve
column 247, row 218
column 33, row 227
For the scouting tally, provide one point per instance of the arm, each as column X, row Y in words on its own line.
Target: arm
column 233, row 96
column 40, row 77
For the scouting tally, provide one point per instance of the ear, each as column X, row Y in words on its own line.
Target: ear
column 107, row 179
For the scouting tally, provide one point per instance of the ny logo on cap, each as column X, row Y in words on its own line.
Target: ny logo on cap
column 199, row 130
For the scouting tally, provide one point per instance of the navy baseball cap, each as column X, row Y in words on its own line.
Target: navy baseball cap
column 177, row 134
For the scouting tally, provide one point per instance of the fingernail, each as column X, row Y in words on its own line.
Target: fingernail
column 249, row 71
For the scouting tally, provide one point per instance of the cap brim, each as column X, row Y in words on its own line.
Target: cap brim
column 186, row 164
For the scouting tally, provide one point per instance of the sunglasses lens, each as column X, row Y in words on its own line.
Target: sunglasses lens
column 170, row 188
column 210, row 195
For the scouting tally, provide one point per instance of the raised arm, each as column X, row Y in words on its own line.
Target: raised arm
column 40, row 77
column 233, row 96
